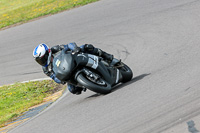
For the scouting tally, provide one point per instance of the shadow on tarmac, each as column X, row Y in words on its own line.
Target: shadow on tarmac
column 135, row 79
column 120, row 86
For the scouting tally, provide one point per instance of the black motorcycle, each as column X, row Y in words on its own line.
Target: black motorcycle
column 90, row 71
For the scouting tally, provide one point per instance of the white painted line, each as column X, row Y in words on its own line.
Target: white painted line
column 40, row 79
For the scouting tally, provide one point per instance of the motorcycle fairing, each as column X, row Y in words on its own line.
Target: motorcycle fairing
column 93, row 61
column 63, row 64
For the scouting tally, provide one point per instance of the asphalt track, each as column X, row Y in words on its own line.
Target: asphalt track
column 159, row 40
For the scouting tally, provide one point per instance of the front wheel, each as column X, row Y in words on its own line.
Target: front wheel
column 97, row 85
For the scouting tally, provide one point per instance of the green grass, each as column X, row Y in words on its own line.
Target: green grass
column 15, row 11
column 16, row 99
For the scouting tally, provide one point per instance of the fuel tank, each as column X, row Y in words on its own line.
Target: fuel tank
column 63, row 64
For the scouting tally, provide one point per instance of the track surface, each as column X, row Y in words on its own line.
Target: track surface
column 159, row 40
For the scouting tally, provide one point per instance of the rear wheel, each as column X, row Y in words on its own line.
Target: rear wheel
column 126, row 72
column 98, row 85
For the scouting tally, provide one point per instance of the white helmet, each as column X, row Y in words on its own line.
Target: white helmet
column 42, row 54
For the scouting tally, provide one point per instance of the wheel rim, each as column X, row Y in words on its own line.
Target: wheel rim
column 98, row 81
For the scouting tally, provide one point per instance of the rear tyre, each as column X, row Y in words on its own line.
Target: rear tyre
column 100, row 86
column 126, row 72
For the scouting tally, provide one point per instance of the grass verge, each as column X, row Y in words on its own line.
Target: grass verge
column 15, row 11
column 18, row 98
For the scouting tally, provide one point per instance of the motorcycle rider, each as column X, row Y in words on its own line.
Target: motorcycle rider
column 44, row 56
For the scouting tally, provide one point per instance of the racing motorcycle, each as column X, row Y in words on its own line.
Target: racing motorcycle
column 90, row 71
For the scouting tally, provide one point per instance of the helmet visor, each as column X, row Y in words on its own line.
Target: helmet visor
column 42, row 60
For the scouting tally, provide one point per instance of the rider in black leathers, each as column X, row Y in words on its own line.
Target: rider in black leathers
column 45, row 57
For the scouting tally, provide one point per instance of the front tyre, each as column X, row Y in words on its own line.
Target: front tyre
column 100, row 86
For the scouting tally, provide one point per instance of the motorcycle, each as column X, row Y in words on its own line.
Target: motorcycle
column 90, row 71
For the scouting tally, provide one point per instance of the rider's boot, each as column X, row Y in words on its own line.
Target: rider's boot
column 106, row 56
column 96, row 51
